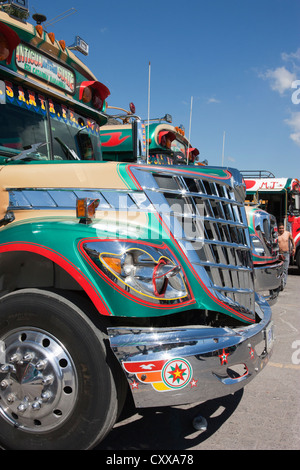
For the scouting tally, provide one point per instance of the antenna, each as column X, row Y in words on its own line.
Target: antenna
column 223, row 148
column 147, row 146
column 190, row 129
column 60, row 17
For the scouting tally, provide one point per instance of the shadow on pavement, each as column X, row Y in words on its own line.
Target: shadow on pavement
column 168, row 428
column 293, row 270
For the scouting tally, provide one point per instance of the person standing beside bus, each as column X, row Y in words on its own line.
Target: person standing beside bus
column 284, row 240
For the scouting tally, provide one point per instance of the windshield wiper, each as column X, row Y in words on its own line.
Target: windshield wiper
column 67, row 149
column 26, row 153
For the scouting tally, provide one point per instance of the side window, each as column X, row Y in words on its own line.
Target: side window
column 62, row 130
column 74, row 136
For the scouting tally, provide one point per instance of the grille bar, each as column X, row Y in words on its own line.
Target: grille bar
column 208, row 220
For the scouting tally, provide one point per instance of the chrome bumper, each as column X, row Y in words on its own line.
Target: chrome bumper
column 175, row 366
column 268, row 280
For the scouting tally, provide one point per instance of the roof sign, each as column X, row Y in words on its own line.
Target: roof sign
column 42, row 67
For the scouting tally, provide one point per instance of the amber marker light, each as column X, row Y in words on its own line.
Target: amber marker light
column 86, row 209
column 62, row 44
column 51, row 36
column 113, row 263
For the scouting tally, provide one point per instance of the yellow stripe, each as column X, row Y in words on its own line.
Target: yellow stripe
column 284, row 366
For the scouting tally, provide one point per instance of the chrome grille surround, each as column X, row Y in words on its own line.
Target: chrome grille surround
column 206, row 216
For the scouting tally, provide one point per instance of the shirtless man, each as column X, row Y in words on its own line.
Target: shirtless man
column 284, row 240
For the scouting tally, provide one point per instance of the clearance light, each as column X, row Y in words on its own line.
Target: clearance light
column 180, row 130
column 86, row 209
column 132, row 108
column 62, row 44
column 51, row 36
column 8, row 42
column 39, row 29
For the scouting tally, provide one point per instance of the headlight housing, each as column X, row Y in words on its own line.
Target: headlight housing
column 140, row 269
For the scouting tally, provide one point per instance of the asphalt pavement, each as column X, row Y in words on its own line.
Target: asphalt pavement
column 265, row 415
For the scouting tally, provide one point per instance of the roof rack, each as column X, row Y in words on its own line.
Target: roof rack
column 257, row 174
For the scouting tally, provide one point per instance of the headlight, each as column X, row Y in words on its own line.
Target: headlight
column 141, row 270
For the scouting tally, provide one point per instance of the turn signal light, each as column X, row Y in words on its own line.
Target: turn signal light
column 86, row 209
column 113, row 262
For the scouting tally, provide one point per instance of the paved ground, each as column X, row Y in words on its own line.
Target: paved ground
column 265, row 415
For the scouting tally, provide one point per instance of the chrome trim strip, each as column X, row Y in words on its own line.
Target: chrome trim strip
column 65, row 199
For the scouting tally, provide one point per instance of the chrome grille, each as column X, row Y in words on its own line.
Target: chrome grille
column 207, row 218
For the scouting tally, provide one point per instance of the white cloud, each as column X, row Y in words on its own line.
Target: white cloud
column 213, row 100
column 281, row 79
column 292, row 57
column 294, row 123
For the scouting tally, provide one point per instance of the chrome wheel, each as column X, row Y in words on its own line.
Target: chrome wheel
column 38, row 380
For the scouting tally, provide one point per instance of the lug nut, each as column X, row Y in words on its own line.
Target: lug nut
column 4, row 384
column 22, row 407
column 40, row 365
column 48, row 380
column 7, row 368
column 36, row 405
column 28, row 356
column 46, row 395
column 11, row 398
column 16, row 357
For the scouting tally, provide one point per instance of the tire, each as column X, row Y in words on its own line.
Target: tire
column 57, row 391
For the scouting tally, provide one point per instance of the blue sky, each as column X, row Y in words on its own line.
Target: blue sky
column 236, row 60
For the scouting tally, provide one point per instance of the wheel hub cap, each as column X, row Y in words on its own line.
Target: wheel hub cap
column 38, row 381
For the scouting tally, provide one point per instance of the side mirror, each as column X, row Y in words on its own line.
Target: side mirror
column 138, row 139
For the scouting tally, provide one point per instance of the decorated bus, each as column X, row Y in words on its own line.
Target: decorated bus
column 280, row 197
column 113, row 280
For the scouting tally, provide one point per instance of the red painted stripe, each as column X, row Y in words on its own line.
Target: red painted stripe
column 63, row 262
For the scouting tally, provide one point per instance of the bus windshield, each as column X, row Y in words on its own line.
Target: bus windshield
column 28, row 118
